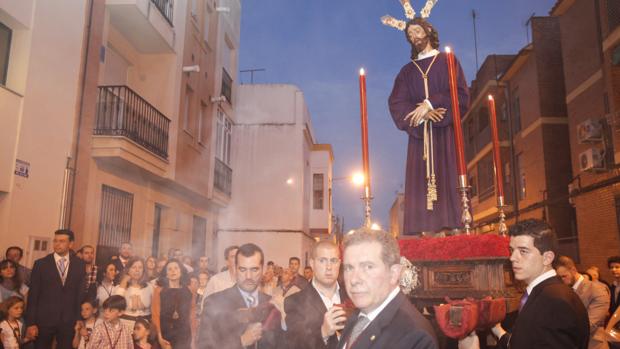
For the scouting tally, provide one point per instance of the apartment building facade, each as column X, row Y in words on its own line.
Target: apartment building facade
column 533, row 132
column 146, row 154
column 591, row 60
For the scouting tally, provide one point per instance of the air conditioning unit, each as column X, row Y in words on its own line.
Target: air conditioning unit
column 592, row 159
column 590, row 131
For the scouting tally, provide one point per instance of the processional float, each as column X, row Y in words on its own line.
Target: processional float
column 470, row 272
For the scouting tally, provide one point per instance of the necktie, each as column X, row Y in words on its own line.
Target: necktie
column 360, row 325
column 250, row 301
column 62, row 266
column 523, row 300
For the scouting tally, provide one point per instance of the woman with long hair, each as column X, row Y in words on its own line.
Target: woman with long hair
column 151, row 265
column 137, row 291
column 107, row 286
column 174, row 312
column 10, row 282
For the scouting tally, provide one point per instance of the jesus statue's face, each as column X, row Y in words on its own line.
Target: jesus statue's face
column 418, row 37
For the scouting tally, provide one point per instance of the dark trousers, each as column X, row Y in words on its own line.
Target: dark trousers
column 63, row 334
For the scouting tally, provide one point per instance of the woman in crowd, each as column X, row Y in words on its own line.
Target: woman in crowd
column 107, row 287
column 137, row 291
column 151, row 268
column 10, row 282
column 174, row 314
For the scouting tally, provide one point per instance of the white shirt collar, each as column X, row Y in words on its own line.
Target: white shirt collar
column 329, row 302
column 542, row 277
column 430, row 53
column 57, row 258
column 578, row 282
column 373, row 314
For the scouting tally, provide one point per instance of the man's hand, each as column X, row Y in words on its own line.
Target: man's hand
column 333, row 320
column 498, row 330
column 470, row 342
column 416, row 116
column 435, row 115
column 252, row 334
column 32, row 332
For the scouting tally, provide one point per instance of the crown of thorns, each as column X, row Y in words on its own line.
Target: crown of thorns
column 409, row 13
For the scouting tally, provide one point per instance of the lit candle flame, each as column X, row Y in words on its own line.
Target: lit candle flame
column 448, row 49
column 490, row 97
column 362, row 71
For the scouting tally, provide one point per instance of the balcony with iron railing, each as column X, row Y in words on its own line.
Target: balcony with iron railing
column 122, row 112
column 146, row 24
column 166, row 8
column 223, row 177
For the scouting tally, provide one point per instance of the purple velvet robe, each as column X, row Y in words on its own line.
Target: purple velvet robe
column 408, row 91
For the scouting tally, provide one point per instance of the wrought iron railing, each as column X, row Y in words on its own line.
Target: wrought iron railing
column 223, row 177
column 165, row 7
column 227, row 85
column 122, row 112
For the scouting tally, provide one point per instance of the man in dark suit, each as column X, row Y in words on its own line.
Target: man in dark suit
column 124, row 255
column 551, row 315
column 222, row 325
column 56, row 291
column 313, row 315
column 386, row 318
column 294, row 263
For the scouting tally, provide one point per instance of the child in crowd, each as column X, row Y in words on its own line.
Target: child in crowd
column 84, row 328
column 111, row 333
column 144, row 335
column 12, row 327
column 203, row 279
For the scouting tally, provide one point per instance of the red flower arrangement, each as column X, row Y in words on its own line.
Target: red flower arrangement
column 455, row 247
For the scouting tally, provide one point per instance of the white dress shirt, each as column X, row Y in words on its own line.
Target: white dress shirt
column 542, row 277
column 329, row 302
column 57, row 259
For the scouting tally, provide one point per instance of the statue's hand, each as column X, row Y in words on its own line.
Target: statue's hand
column 417, row 115
column 436, row 115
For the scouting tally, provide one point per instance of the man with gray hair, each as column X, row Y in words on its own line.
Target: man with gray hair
column 386, row 318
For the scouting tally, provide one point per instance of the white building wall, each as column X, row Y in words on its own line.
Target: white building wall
column 44, row 70
column 272, row 177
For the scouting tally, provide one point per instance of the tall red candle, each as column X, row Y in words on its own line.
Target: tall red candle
column 497, row 160
column 456, row 119
column 364, row 119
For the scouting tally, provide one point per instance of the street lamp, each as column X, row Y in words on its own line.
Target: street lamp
column 356, row 178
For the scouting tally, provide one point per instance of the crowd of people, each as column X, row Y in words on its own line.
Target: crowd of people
column 347, row 296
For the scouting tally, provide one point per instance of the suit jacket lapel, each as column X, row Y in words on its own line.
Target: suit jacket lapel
column 373, row 332
column 54, row 269
column 314, row 298
column 538, row 290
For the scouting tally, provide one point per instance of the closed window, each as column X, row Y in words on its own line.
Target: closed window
column 317, row 191
column 521, row 177
column 223, row 137
column 187, row 109
column 5, row 48
column 516, row 112
column 202, row 124
column 114, row 221
column 486, row 184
